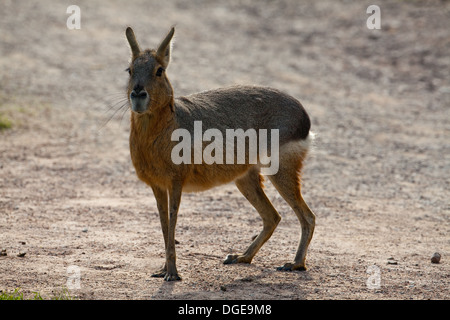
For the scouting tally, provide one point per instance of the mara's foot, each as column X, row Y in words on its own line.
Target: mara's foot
column 235, row 258
column 292, row 267
column 162, row 273
column 172, row 277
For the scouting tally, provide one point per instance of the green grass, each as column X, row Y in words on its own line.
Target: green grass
column 18, row 295
column 23, row 112
column 5, row 123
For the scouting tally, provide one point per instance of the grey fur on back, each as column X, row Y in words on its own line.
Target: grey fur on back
column 244, row 107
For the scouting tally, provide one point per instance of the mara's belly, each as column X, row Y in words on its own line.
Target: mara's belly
column 204, row 177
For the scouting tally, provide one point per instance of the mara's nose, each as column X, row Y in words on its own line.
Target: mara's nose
column 138, row 92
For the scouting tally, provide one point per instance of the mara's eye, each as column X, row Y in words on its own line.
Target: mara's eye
column 128, row 70
column 159, row 71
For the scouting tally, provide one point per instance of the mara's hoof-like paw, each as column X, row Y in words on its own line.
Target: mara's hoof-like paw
column 172, row 277
column 168, row 276
column 292, row 267
column 234, row 258
column 159, row 274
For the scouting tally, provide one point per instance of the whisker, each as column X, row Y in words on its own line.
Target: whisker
column 118, row 107
column 113, row 96
column 124, row 103
column 116, row 103
column 123, row 113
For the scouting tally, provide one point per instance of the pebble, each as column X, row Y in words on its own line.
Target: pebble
column 436, row 258
column 392, row 261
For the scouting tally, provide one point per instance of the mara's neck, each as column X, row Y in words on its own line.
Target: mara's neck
column 150, row 125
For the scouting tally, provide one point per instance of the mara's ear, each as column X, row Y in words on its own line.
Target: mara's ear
column 133, row 43
column 163, row 53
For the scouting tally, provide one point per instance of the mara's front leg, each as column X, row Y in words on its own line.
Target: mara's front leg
column 163, row 209
column 174, row 204
column 168, row 224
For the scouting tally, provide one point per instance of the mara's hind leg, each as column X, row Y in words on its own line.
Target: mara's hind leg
column 250, row 186
column 287, row 182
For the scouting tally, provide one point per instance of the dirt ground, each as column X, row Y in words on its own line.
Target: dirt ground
column 378, row 179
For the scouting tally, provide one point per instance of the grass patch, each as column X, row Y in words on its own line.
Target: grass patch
column 5, row 123
column 17, row 294
column 25, row 112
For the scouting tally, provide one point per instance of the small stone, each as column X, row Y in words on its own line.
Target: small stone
column 21, row 254
column 247, row 279
column 3, row 253
column 84, row 230
column 436, row 258
column 223, row 288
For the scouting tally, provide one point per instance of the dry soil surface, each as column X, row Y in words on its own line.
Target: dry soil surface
column 378, row 180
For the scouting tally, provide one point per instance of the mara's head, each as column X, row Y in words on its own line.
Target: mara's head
column 149, row 88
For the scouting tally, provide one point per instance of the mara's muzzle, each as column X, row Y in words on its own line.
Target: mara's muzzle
column 139, row 100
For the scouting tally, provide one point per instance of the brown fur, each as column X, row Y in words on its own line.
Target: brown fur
column 236, row 107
